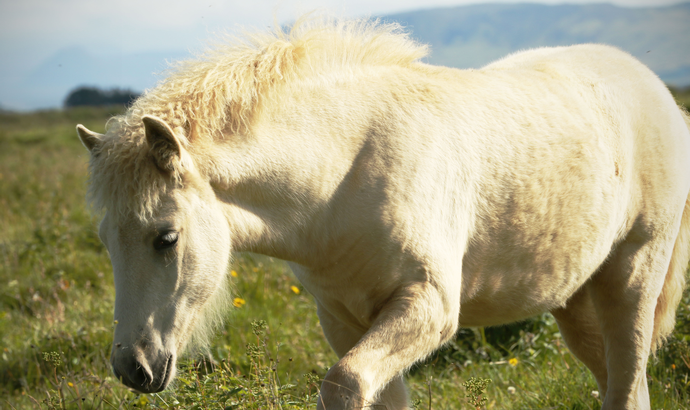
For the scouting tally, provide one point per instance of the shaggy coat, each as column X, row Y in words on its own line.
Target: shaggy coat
column 408, row 199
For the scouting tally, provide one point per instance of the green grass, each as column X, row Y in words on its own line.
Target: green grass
column 56, row 301
column 682, row 96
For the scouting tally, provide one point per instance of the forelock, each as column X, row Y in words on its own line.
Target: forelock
column 123, row 176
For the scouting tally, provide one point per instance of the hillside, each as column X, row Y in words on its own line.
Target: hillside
column 471, row 36
column 463, row 37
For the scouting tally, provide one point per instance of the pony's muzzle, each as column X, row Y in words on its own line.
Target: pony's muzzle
column 140, row 374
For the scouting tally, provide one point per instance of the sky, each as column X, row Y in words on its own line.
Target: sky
column 31, row 31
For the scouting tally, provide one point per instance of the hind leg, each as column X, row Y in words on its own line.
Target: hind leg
column 581, row 331
column 624, row 295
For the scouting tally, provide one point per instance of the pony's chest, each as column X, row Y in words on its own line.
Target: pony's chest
column 353, row 298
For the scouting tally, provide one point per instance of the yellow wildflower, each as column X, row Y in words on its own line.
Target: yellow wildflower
column 295, row 289
column 239, row 302
column 70, row 384
column 513, row 361
column 233, row 273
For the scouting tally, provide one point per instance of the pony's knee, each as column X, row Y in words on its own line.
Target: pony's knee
column 342, row 389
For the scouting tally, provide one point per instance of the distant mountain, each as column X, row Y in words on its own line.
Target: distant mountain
column 472, row 36
column 463, row 37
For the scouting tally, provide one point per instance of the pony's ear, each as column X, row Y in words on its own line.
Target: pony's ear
column 165, row 147
column 90, row 139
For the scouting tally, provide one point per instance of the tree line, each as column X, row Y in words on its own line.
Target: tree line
column 94, row 96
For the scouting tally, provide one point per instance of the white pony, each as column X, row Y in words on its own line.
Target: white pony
column 408, row 199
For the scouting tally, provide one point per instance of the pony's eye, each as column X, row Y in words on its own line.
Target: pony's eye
column 165, row 241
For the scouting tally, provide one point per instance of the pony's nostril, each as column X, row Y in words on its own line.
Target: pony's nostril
column 140, row 377
column 133, row 374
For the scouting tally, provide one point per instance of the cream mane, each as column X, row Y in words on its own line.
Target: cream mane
column 215, row 94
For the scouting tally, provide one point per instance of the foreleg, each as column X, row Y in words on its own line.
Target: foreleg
column 342, row 338
column 418, row 319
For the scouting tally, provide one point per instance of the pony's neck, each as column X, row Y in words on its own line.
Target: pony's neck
column 277, row 185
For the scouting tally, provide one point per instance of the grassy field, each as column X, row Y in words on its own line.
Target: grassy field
column 682, row 96
column 56, row 301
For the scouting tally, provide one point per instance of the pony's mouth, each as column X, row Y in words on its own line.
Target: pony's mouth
column 167, row 375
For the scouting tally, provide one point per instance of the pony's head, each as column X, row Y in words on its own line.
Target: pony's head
column 169, row 245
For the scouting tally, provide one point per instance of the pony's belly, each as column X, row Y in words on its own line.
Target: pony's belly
column 519, row 269
column 498, row 298
column 482, row 312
